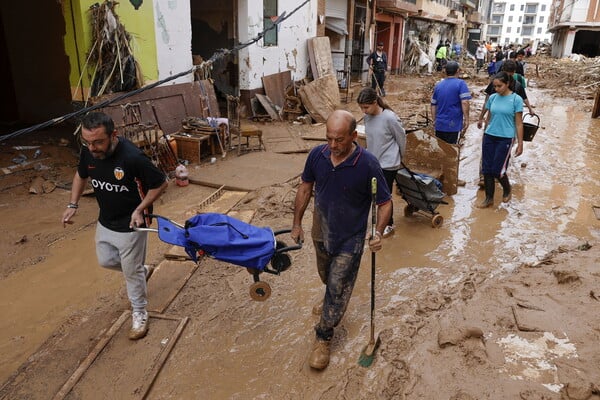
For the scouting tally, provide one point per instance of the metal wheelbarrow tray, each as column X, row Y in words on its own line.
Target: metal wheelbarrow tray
column 228, row 239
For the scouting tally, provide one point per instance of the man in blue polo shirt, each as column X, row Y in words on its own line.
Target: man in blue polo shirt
column 450, row 105
column 340, row 173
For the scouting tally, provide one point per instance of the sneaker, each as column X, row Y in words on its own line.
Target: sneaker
column 149, row 271
column 139, row 325
column 388, row 231
column 319, row 356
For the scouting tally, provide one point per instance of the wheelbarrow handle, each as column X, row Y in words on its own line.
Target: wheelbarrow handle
column 135, row 228
column 287, row 248
column 155, row 216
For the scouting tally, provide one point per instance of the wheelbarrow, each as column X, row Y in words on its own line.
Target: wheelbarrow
column 228, row 239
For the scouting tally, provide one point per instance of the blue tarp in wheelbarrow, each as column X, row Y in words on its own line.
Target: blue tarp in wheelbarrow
column 228, row 239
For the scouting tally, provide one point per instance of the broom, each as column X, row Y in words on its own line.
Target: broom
column 368, row 353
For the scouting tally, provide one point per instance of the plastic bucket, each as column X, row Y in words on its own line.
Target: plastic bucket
column 530, row 129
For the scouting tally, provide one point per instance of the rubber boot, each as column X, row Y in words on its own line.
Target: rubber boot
column 506, row 189
column 490, row 187
column 319, row 357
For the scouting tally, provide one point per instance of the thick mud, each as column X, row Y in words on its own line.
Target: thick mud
column 496, row 303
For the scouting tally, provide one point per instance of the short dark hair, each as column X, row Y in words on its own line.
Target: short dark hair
column 451, row 67
column 95, row 120
column 521, row 52
column 509, row 66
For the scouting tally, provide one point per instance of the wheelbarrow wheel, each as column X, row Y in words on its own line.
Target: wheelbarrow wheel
column 437, row 221
column 260, row 291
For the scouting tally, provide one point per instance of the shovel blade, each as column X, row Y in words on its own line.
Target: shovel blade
column 368, row 354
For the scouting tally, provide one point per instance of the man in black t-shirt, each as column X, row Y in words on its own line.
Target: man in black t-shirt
column 125, row 183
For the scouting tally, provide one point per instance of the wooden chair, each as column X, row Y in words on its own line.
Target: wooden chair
column 343, row 79
column 242, row 130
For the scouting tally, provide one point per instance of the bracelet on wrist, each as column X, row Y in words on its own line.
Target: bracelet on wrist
column 73, row 205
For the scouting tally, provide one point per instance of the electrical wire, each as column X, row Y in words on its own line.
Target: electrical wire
column 217, row 55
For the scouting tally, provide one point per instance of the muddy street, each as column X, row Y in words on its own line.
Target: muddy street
column 497, row 303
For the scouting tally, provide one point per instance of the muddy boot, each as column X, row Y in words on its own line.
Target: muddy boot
column 319, row 357
column 506, row 188
column 489, row 186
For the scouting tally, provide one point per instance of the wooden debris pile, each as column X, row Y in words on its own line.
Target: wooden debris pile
column 565, row 74
column 111, row 56
column 416, row 57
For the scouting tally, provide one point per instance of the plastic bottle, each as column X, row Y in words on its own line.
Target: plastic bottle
column 181, row 175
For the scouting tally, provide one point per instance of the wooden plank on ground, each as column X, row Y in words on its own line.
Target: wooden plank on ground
column 223, row 204
column 85, row 364
column 320, row 97
column 596, row 109
column 21, row 167
column 177, row 253
column 116, row 361
column 275, row 86
column 166, row 282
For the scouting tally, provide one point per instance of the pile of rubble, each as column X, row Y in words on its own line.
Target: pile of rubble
column 565, row 74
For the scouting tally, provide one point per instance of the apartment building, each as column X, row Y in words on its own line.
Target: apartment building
column 519, row 22
column 576, row 28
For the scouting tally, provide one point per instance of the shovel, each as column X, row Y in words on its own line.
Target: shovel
column 368, row 353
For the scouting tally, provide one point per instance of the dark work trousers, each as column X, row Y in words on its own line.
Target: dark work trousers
column 390, row 177
column 448, row 137
column 338, row 273
column 378, row 78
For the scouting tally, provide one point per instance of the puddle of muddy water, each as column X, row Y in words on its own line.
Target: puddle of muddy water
column 236, row 348
column 37, row 299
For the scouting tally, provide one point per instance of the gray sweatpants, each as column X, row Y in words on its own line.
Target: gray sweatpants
column 126, row 252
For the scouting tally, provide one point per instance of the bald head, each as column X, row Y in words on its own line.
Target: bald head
column 341, row 121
